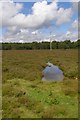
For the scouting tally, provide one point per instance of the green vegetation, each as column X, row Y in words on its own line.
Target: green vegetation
column 25, row 95
column 41, row 45
column 0, row 84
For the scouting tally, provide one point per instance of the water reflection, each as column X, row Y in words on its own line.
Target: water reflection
column 52, row 72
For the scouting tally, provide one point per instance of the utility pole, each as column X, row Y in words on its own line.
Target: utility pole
column 50, row 42
column 51, row 28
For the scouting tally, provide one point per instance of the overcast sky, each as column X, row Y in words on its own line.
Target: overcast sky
column 38, row 21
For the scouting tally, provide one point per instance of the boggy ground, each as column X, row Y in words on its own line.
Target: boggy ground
column 25, row 95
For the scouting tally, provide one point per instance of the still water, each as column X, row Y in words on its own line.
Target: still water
column 52, row 72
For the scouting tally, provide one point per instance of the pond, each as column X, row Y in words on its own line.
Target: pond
column 52, row 73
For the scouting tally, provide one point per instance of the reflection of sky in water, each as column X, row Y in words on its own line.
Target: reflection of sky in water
column 52, row 72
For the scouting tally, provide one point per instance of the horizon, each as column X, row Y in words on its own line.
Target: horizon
column 40, row 41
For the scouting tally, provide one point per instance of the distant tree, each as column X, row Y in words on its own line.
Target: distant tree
column 67, row 44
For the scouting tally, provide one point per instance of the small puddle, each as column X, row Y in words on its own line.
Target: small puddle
column 52, row 73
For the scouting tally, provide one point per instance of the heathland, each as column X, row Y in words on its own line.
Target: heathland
column 25, row 95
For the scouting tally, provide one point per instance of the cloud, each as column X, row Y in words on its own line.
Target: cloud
column 35, row 32
column 75, row 25
column 72, row 33
column 24, row 35
column 74, row 1
column 73, row 28
column 64, row 15
column 75, row 6
column 42, row 15
column 26, row 27
column 21, row 41
column 64, row 36
column 1, row 14
column 68, row 33
column 11, row 1
column 15, row 34
column 8, row 11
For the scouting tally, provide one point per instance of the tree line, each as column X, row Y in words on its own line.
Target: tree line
column 67, row 44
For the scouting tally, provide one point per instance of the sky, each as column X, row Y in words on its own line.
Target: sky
column 38, row 21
